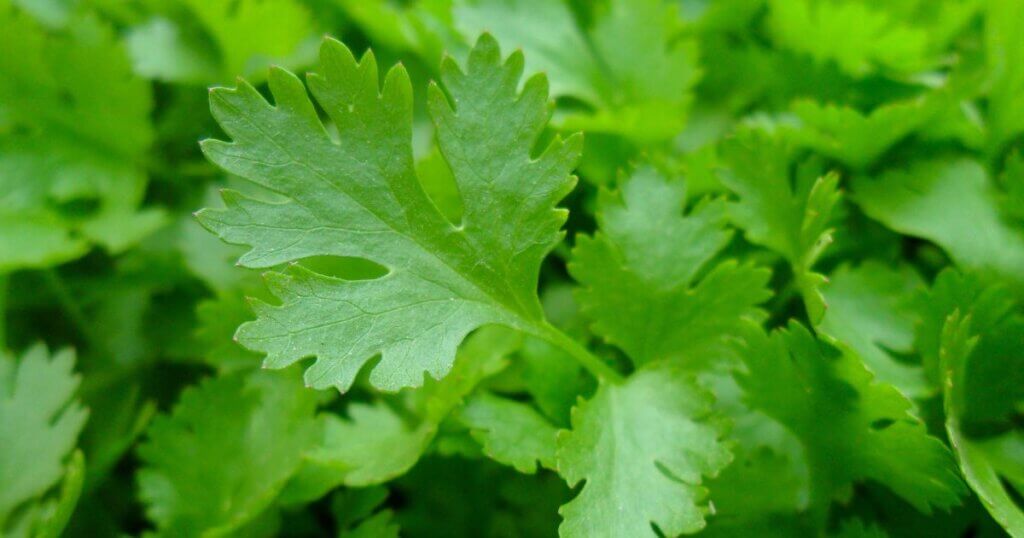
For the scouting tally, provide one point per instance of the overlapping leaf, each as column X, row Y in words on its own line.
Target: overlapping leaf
column 648, row 285
column 989, row 476
column 952, row 203
column 218, row 461
column 510, row 432
column 853, row 428
column 857, row 139
column 870, row 311
column 40, row 419
column 201, row 41
column 790, row 217
column 73, row 130
column 900, row 37
column 381, row 440
column 608, row 65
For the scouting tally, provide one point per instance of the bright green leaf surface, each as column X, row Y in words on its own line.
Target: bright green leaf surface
column 857, row 139
column 70, row 158
column 1005, row 53
column 952, row 203
column 359, row 197
column 510, row 432
column 869, row 309
column 865, row 37
column 247, row 36
column 40, row 420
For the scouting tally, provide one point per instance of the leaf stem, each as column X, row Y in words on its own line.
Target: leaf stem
column 69, row 304
column 588, row 360
column 4, row 282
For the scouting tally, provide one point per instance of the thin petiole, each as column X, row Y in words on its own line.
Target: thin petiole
column 588, row 360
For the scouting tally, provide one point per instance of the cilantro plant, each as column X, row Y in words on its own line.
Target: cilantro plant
column 625, row 268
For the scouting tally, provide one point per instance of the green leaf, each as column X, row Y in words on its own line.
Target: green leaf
column 856, row 528
column 858, row 139
column 220, row 458
column 610, row 66
column 640, row 274
column 202, row 41
column 74, row 128
column 1012, row 181
column 218, row 319
column 992, row 376
column 952, row 203
column 423, row 27
column 359, row 197
column 207, row 257
column 643, row 448
column 379, row 525
column 372, row 445
column 987, row 302
column 163, row 49
column 899, row 37
column 381, row 440
column 49, row 13
column 1004, row 54
column 769, row 475
column 478, row 498
column 40, row 420
column 350, row 505
column 869, row 310
column 958, row 342
column 789, row 217
column 552, row 378
column 510, row 432
column 853, row 428
column 56, row 513
column 119, row 418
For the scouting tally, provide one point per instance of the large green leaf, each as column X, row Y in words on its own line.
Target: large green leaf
column 358, row 196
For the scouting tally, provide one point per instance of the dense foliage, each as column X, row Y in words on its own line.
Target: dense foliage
column 620, row 268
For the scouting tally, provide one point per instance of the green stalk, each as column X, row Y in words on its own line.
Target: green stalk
column 68, row 303
column 588, row 360
column 4, row 282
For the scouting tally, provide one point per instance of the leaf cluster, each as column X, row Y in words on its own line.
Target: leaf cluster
column 623, row 268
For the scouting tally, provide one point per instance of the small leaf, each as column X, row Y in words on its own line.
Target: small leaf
column 40, row 419
column 223, row 454
column 643, row 449
column 640, row 274
column 510, row 432
column 852, row 426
